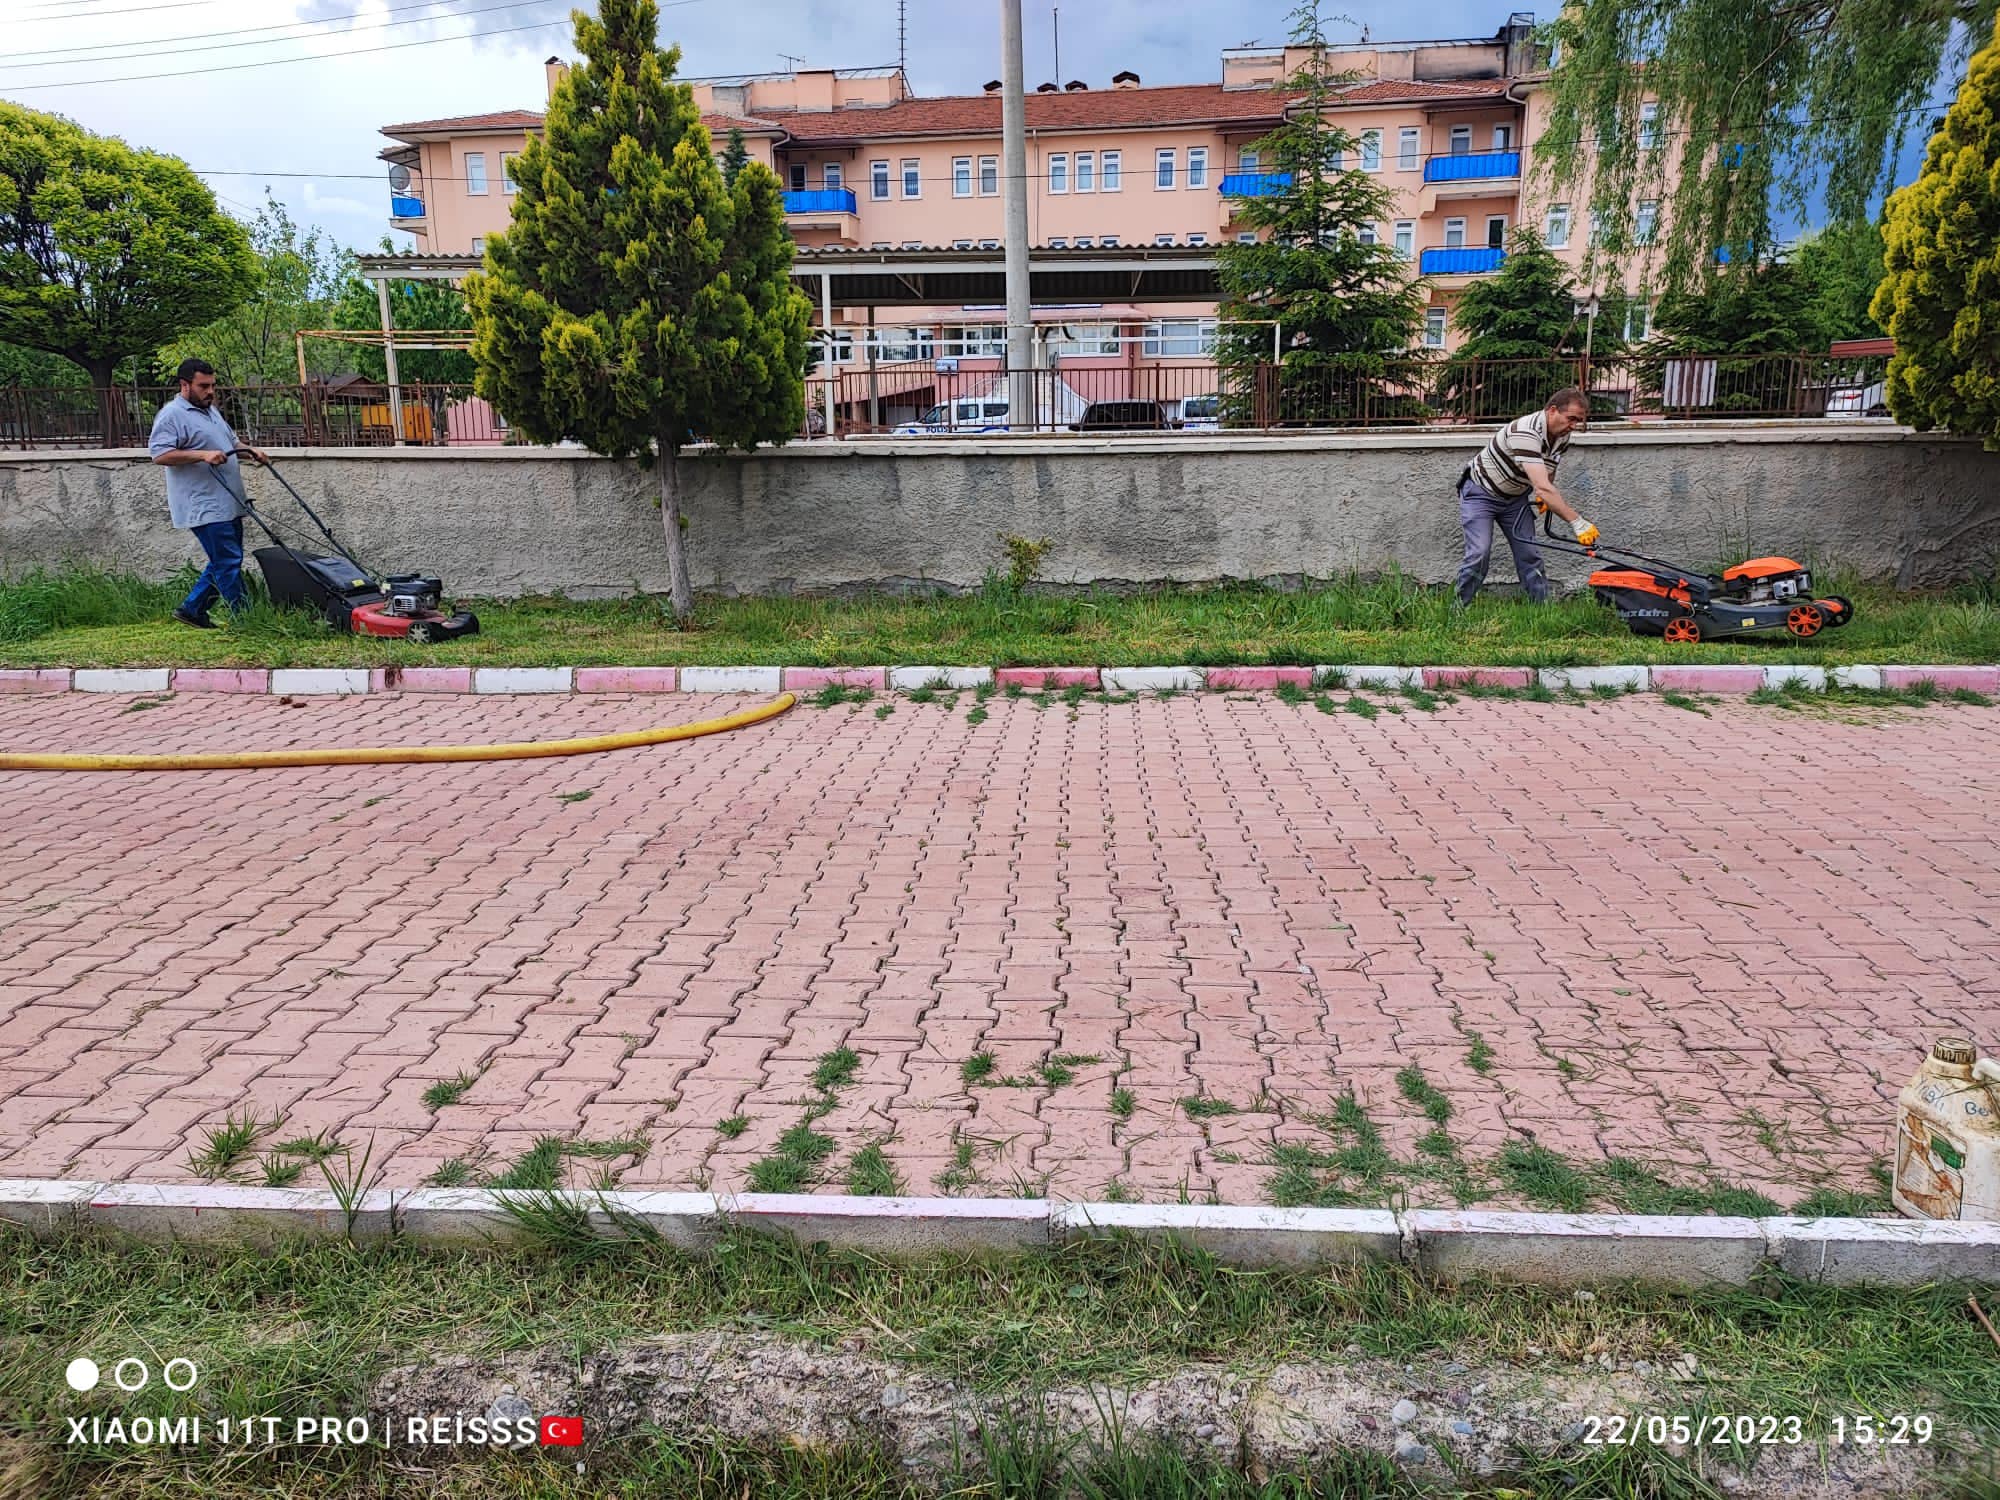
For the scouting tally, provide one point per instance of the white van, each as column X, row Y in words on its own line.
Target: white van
column 988, row 411
column 1201, row 414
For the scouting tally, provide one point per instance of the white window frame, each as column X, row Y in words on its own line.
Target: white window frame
column 913, row 176
column 1197, row 167
column 1409, row 152
column 1197, row 239
column 1246, row 160
column 1166, row 168
column 1058, row 172
column 913, row 244
column 1406, row 238
column 1178, row 338
column 967, row 244
column 1556, row 227
column 1435, row 321
column 1369, row 234
column 1246, row 236
column 1639, row 313
column 834, row 349
column 475, row 174
column 508, row 186
column 1086, row 172
column 1371, row 150
column 961, row 177
column 1163, row 239
column 1646, row 222
column 795, row 177
column 909, row 346
column 830, row 176
column 1057, row 242
column 1096, row 340
column 1107, row 242
column 1082, row 242
column 1461, row 140
column 1503, row 137
column 479, row 244
column 1111, row 172
column 878, row 181
column 974, row 341
column 989, row 171
column 1649, row 127
column 1491, row 220
column 989, row 244
column 1454, row 227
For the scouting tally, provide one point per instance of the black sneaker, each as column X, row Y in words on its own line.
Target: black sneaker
column 200, row 622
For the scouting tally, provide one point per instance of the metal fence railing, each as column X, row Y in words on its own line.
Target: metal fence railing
column 941, row 397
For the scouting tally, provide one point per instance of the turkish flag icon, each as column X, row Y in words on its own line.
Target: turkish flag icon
column 562, row 1432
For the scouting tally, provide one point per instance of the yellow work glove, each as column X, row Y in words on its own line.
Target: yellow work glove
column 1585, row 532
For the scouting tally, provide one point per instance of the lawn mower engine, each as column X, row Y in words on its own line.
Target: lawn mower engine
column 407, row 606
column 1764, row 596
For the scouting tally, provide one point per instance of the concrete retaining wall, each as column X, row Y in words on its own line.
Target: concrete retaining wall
column 1915, row 510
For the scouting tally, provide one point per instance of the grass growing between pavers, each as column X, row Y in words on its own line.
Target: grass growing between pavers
column 307, row 1329
column 99, row 620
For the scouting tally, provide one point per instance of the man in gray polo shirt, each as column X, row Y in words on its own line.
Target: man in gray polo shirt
column 1512, row 478
column 204, row 488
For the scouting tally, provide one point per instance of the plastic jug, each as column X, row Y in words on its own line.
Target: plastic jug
column 1948, row 1136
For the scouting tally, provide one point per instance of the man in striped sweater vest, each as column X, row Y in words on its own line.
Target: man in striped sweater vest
column 1511, row 481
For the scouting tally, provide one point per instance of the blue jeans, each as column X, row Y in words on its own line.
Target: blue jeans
column 223, row 542
column 1479, row 512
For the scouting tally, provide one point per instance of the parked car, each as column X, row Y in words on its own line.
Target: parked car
column 1201, row 414
column 968, row 414
column 1122, row 416
column 1858, row 401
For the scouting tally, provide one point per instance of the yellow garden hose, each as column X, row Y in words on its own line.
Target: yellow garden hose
column 396, row 755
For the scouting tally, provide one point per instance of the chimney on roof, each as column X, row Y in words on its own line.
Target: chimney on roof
column 1047, row 88
column 554, row 71
column 995, row 86
column 1076, row 86
column 1125, row 80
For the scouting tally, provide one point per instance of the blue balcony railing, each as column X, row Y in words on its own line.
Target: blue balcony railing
column 824, row 201
column 403, row 206
column 1470, row 260
column 1255, row 184
column 1473, row 165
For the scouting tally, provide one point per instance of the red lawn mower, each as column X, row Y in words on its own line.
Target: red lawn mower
column 397, row 606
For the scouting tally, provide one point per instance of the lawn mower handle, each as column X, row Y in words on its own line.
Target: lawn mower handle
column 1565, row 544
column 272, row 469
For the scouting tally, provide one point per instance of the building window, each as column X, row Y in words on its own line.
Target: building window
column 1059, row 242
column 1113, row 178
column 1246, row 237
column 1371, row 150
column 1083, row 340
column 975, row 341
column 508, row 185
column 1555, row 234
column 1406, row 238
column 1246, row 160
column 989, row 244
column 1083, row 242
column 1434, row 327
column 829, row 176
column 836, row 348
column 913, row 181
column 1461, row 140
column 1503, row 137
column 961, row 177
column 1496, row 231
column 475, row 173
column 1648, row 220
column 967, row 244
column 989, row 176
column 1105, row 242
column 1406, row 149
column 798, row 176
column 1454, row 234
column 479, row 244
column 1638, row 320
column 1197, row 239
column 1059, row 172
column 1197, row 166
column 1179, row 338
column 1163, row 167
column 1163, row 239
column 880, row 245
column 902, row 345
column 1367, row 234
column 1086, row 171
column 1336, row 160
column 878, row 181
column 913, row 244
column 1649, row 127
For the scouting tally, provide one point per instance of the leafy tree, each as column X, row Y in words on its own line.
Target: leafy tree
column 635, row 300
column 107, row 251
column 1344, row 307
column 1841, row 267
column 1764, row 106
column 32, row 368
column 734, row 157
column 298, row 277
column 427, row 305
column 1748, row 318
column 1524, row 317
column 1941, row 300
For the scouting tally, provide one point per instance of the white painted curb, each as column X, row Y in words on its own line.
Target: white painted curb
column 1583, row 679
column 1375, row 677
column 1810, row 678
column 732, row 679
column 1152, row 679
column 523, row 679
column 304, row 681
column 122, row 680
column 1548, row 1249
column 908, row 679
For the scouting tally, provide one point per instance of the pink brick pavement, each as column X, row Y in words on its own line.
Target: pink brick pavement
column 1724, row 959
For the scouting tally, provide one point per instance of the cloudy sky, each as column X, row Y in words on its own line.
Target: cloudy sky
column 290, row 94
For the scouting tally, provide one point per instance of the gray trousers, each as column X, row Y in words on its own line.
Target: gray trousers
column 1479, row 513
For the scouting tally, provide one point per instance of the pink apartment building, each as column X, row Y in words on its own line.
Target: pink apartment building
column 867, row 165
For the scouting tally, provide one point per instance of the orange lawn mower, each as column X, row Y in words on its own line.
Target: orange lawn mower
column 1764, row 596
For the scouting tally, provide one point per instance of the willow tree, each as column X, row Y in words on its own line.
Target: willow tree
column 1762, row 108
column 637, row 303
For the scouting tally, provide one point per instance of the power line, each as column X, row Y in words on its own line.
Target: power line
column 121, row 11
column 278, row 62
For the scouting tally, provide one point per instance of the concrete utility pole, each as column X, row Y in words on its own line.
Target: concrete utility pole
column 1014, row 147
